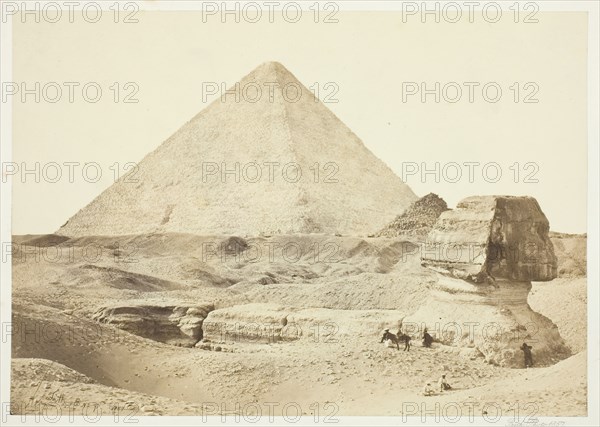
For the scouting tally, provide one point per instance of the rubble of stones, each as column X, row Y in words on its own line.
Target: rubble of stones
column 418, row 219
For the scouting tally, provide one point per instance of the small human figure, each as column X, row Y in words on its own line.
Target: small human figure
column 427, row 339
column 527, row 354
column 428, row 390
column 444, row 383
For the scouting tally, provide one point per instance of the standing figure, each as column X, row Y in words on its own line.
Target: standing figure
column 427, row 339
column 527, row 353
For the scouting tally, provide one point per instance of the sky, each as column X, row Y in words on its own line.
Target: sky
column 365, row 67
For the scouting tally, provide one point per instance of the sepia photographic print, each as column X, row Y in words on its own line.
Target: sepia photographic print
column 299, row 213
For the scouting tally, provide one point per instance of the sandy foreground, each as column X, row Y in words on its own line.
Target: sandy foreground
column 66, row 363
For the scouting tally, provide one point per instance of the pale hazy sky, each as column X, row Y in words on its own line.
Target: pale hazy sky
column 367, row 55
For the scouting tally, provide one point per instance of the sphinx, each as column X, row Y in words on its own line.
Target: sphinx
column 485, row 254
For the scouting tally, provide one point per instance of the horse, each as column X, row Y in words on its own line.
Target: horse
column 405, row 338
column 387, row 335
column 397, row 338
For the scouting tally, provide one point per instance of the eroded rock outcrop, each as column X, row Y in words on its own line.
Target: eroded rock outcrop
column 486, row 252
column 267, row 323
column 571, row 252
column 178, row 324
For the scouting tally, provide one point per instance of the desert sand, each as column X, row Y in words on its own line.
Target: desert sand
column 61, row 356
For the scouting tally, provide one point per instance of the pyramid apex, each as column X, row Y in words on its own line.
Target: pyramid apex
column 271, row 70
column 273, row 65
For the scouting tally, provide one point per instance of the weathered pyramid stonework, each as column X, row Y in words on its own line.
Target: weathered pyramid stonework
column 486, row 252
column 418, row 219
column 247, row 165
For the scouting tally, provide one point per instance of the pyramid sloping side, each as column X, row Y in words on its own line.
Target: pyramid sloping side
column 173, row 192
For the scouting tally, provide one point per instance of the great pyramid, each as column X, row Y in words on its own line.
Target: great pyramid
column 179, row 186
